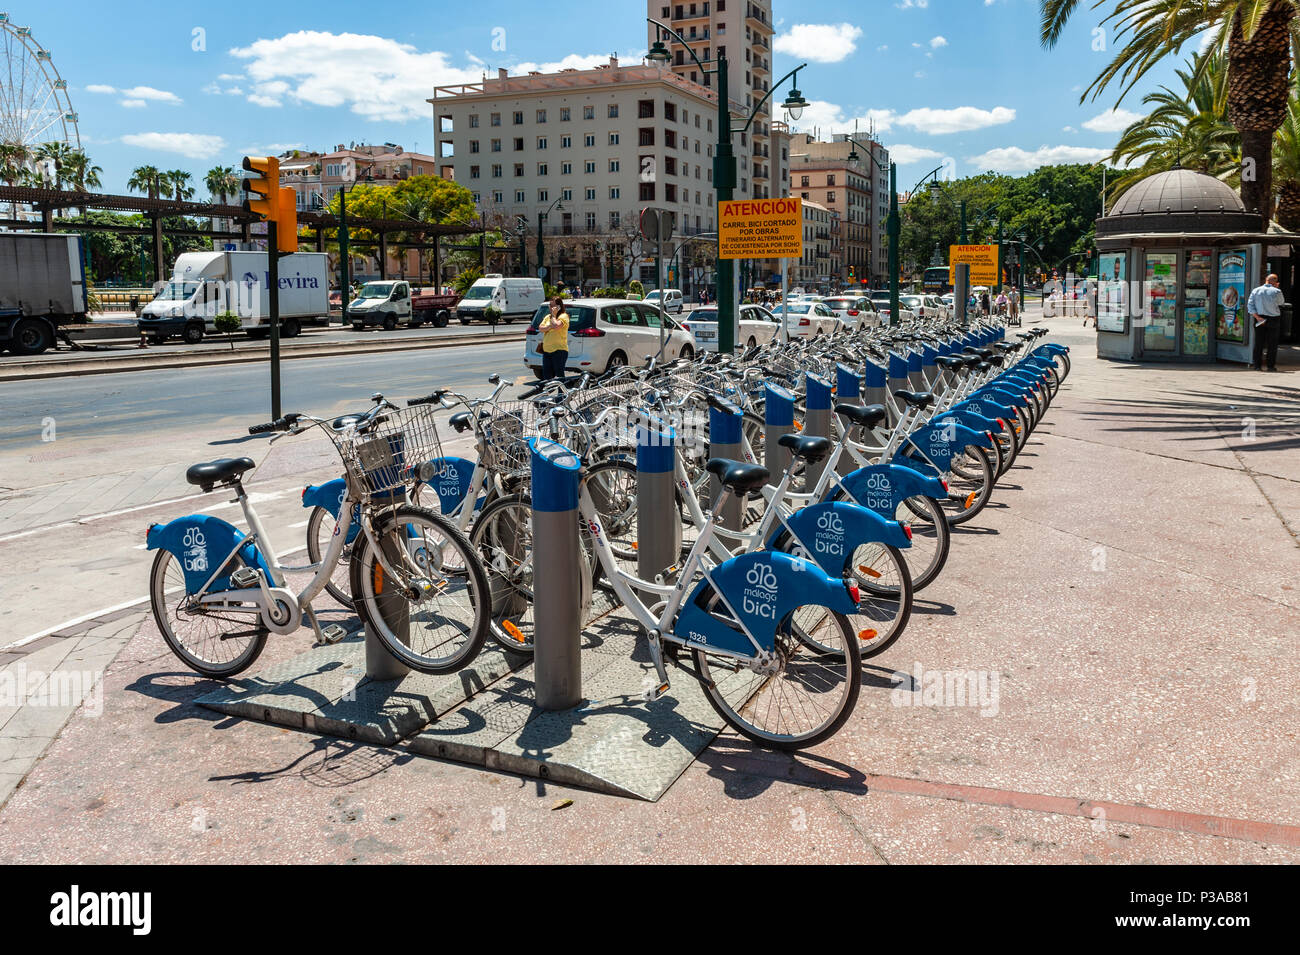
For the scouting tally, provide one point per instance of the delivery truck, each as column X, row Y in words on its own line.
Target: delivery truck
column 42, row 287
column 206, row 284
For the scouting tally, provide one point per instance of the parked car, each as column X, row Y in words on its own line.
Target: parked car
column 757, row 326
column 673, row 301
column 513, row 297
column 936, row 308
column 381, row 303
column 855, row 311
column 807, row 319
column 605, row 333
column 881, row 300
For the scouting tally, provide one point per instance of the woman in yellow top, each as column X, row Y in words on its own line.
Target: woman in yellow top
column 555, row 340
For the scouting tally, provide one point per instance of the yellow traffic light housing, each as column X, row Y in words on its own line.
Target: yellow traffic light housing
column 273, row 202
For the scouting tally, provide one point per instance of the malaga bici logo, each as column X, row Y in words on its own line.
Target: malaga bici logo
column 761, row 575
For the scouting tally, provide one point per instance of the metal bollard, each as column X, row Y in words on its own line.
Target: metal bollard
column 778, row 420
column 396, row 611
column 724, row 442
column 557, row 564
column 874, row 393
column 658, row 532
column 817, row 421
column 847, row 388
column 897, row 381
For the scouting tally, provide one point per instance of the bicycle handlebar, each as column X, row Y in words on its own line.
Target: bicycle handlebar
column 279, row 424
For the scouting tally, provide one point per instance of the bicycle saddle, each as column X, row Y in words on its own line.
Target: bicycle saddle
column 342, row 421
column 866, row 415
column 737, row 475
column 808, row 447
column 208, row 473
column 951, row 363
column 460, row 420
column 917, row 399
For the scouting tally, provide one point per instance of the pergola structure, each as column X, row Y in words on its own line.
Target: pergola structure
column 48, row 201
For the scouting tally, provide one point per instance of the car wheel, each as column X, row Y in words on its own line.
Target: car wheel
column 688, row 352
column 31, row 336
column 193, row 333
column 537, row 373
column 290, row 328
column 441, row 319
column 390, row 322
column 463, row 321
column 616, row 360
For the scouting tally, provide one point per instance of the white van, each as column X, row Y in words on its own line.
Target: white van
column 514, row 297
column 386, row 303
column 673, row 302
column 204, row 284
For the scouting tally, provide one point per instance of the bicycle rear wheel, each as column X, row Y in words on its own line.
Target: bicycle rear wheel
column 931, row 539
column 970, row 484
column 805, row 698
column 215, row 643
column 320, row 528
column 447, row 619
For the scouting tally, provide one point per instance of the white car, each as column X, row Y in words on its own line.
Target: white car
column 807, row 319
column 605, row 333
column 935, row 307
column 673, row 301
column 881, row 301
column 757, row 327
column 855, row 311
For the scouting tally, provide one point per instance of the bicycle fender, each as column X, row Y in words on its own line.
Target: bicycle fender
column 976, row 422
column 939, row 442
column 880, row 488
column 330, row 496
column 830, row 531
column 198, row 542
column 762, row 588
column 986, row 410
column 1010, row 396
column 1051, row 348
column 450, row 479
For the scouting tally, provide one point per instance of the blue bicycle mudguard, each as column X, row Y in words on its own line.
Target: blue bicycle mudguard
column 451, row 480
column 939, row 443
column 762, row 588
column 1052, row 349
column 829, row 532
column 984, row 410
column 330, row 496
column 1006, row 396
column 881, row 488
column 971, row 419
column 199, row 542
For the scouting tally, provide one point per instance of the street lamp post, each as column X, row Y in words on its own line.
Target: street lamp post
column 541, row 219
column 724, row 162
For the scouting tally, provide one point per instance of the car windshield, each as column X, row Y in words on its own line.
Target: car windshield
column 840, row 302
column 794, row 308
column 376, row 290
column 480, row 291
column 178, row 291
column 911, row 301
column 702, row 315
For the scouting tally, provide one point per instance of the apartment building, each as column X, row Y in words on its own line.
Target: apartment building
column 317, row 177
column 816, row 268
column 580, row 152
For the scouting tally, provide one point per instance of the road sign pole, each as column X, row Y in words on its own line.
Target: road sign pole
column 659, row 282
column 273, row 300
column 785, row 285
column 344, row 257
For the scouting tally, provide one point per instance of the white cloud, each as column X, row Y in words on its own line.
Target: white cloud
column 919, row 74
column 831, row 118
column 1112, row 121
column 1014, row 159
column 100, row 88
column 961, row 119
column 138, row 96
column 907, row 4
column 820, row 42
column 134, row 103
column 882, row 48
column 374, row 77
column 1068, row 129
column 904, row 154
column 937, row 41
column 193, row 145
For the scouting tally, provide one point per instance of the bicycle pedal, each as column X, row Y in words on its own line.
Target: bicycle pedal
column 656, row 692
column 245, row 577
column 333, row 633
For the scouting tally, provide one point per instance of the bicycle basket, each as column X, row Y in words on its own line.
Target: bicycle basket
column 386, row 455
column 505, row 438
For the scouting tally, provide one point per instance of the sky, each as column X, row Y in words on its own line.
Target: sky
column 958, row 83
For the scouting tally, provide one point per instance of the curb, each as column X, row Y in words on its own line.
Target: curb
column 28, row 371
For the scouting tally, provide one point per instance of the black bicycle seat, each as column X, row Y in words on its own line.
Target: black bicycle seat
column 737, row 475
column 807, row 447
column 866, row 415
column 917, row 399
column 208, row 473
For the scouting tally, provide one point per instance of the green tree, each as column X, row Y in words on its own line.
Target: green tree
column 222, row 182
column 14, row 159
column 146, row 179
column 177, row 182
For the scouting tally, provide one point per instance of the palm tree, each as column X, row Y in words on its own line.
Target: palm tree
column 14, row 158
column 178, row 183
column 1286, row 163
column 82, row 173
column 222, row 182
column 146, row 179
column 1185, row 128
column 1258, row 35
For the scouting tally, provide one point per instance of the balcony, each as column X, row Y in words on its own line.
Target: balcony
column 757, row 18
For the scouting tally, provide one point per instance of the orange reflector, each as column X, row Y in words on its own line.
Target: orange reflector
column 970, row 499
column 868, row 571
column 513, row 632
column 377, row 578
column 798, row 426
column 867, row 634
column 635, row 545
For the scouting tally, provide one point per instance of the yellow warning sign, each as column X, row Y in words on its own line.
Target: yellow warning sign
column 760, row 229
column 982, row 259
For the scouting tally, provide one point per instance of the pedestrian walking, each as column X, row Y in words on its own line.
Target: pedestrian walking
column 555, row 340
column 1014, row 299
column 984, row 304
column 1002, row 303
column 1265, row 307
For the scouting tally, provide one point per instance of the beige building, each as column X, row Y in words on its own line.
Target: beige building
column 815, row 270
column 581, row 152
column 317, row 177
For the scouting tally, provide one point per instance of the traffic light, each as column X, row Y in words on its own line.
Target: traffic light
column 275, row 203
column 851, row 275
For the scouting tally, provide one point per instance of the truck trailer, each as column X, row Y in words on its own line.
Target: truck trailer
column 42, row 287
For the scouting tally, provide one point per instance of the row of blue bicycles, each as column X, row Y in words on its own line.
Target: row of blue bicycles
column 843, row 464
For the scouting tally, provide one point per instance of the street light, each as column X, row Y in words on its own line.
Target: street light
column 541, row 247
column 724, row 159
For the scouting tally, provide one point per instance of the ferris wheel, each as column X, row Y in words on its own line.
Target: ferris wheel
column 34, row 104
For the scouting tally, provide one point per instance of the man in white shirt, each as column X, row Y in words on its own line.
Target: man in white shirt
column 1265, row 307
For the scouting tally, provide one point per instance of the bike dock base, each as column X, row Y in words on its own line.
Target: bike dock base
column 486, row 715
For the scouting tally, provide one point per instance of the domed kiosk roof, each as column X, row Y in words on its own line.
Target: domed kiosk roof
column 1180, row 200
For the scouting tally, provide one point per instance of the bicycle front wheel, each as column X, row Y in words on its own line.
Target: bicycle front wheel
column 970, row 484
column 434, row 617
column 804, row 697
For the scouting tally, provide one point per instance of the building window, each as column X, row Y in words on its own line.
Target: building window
column 520, row 196
column 496, row 145
column 645, row 109
column 830, row 179
column 473, row 120
column 591, row 222
column 647, row 135
column 613, row 165
column 588, row 112
column 589, row 167
column 498, row 197
column 670, row 112
column 670, row 139
column 830, row 197
column 566, row 195
column 670, row 166
column 566, row 169
column 589, row 140
column 613, row 139
column 670, row 192
column 803, row 180
column 519, row 144
column 541, row 169
column 473, row 172
column 590, row 195
column 613, row 111
column 614, row 220
column 519, row 169
column 519, row 117
column 496, row 119
column 475, row 197
column 566, row 142
column 564, row 115
column 543, row 195
column 541, row 142
column 647, row 192
column 541, row 115
column 473, row 145
column 615, row 192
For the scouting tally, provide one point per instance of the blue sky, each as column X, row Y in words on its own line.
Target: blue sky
column 190, row 86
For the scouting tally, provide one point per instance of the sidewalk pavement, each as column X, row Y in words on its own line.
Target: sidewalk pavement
column 1127, row 606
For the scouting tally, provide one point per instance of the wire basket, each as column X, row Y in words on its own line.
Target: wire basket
column 505, row 438
column 387, row 455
